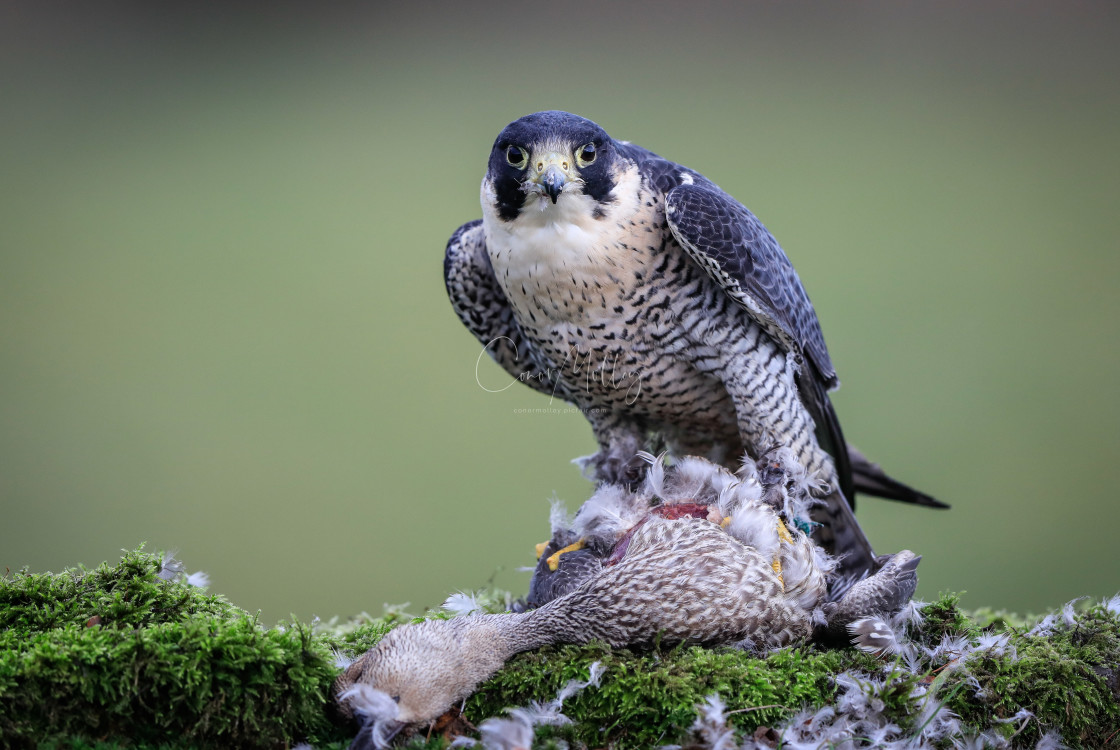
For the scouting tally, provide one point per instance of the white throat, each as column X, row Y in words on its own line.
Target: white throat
column 565, row 236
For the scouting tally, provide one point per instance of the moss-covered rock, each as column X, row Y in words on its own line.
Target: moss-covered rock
column 132, row 655
column 120, row 652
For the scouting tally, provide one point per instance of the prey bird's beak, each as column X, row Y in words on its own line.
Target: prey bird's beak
column 552, row 171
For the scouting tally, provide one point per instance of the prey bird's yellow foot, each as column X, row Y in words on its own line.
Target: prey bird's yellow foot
column 783, row 536
column 783, row 533
column 777, row 566
column 554, row 559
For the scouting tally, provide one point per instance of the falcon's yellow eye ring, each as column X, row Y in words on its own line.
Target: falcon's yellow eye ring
column 517, row 157
column 585, row 156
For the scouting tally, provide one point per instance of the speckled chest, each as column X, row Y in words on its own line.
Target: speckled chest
column 601, row 298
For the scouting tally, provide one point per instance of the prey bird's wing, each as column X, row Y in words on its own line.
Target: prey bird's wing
column 733, row 246
column 481, row 304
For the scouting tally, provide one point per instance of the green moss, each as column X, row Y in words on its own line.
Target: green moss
column 118, row 652
column 1062, row 677
column 118, row 657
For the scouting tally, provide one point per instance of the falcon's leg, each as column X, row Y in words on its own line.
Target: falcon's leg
column 770, row 411
column 620, row 438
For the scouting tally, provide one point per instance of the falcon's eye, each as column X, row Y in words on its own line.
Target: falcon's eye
column 586, row 155
column 517, row 157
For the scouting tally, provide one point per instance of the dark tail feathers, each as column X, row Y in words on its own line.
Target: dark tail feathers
column 869, row 479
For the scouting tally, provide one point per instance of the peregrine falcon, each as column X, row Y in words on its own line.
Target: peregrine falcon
column 639, row 291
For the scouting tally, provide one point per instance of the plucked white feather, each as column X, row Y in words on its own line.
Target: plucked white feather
column 595, row 673
column 654, row 484
column 696, row 480
column 739, row 495
column 910, row 617
column 756, row 527
column 1069, row 613
column 1052, row 740
column 340, row 659
column 1020, row 717
column 860, row 697
column 366, row 700
column 711, row 725
column 198, row 579
column 996, row 644
column 379, row 710
column 803, row 578
column 937, row 722
column 558, row 517
column 506, row 734
column 950, row 651
column 609, row 513
column 461, row 604
column 171, row 569
column 540, row 714
column 1045, row 626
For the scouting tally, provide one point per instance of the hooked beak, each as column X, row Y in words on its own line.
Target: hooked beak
column 552, row 171
column 553, row 181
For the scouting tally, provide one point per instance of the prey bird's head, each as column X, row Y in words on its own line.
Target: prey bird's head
column 543, row 158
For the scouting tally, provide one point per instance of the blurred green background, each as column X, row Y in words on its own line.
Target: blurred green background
column 223, row 327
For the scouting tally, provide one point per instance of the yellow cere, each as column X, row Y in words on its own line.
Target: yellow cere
column 554, row 560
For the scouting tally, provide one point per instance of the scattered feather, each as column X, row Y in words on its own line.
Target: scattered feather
column 558, row 517
column 574, row 686
column 377, row 711
column 609, row 513
column 756, row 527
column 198, row 579
column 910, row 617
column 874, row 636
column 655, row 475
column 541, row 714
column 341, row 660
column 711, row 725
column 1044, row 627
column 170, row 569
column 996, row 644
column 506, row 734
column 461, row 604
column 1052, row 740
column 1069, row 613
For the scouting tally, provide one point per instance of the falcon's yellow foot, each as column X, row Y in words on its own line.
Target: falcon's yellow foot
column 540, row 549
column 554, row 559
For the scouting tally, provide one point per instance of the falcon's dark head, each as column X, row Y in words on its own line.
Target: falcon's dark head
column 548, row 155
